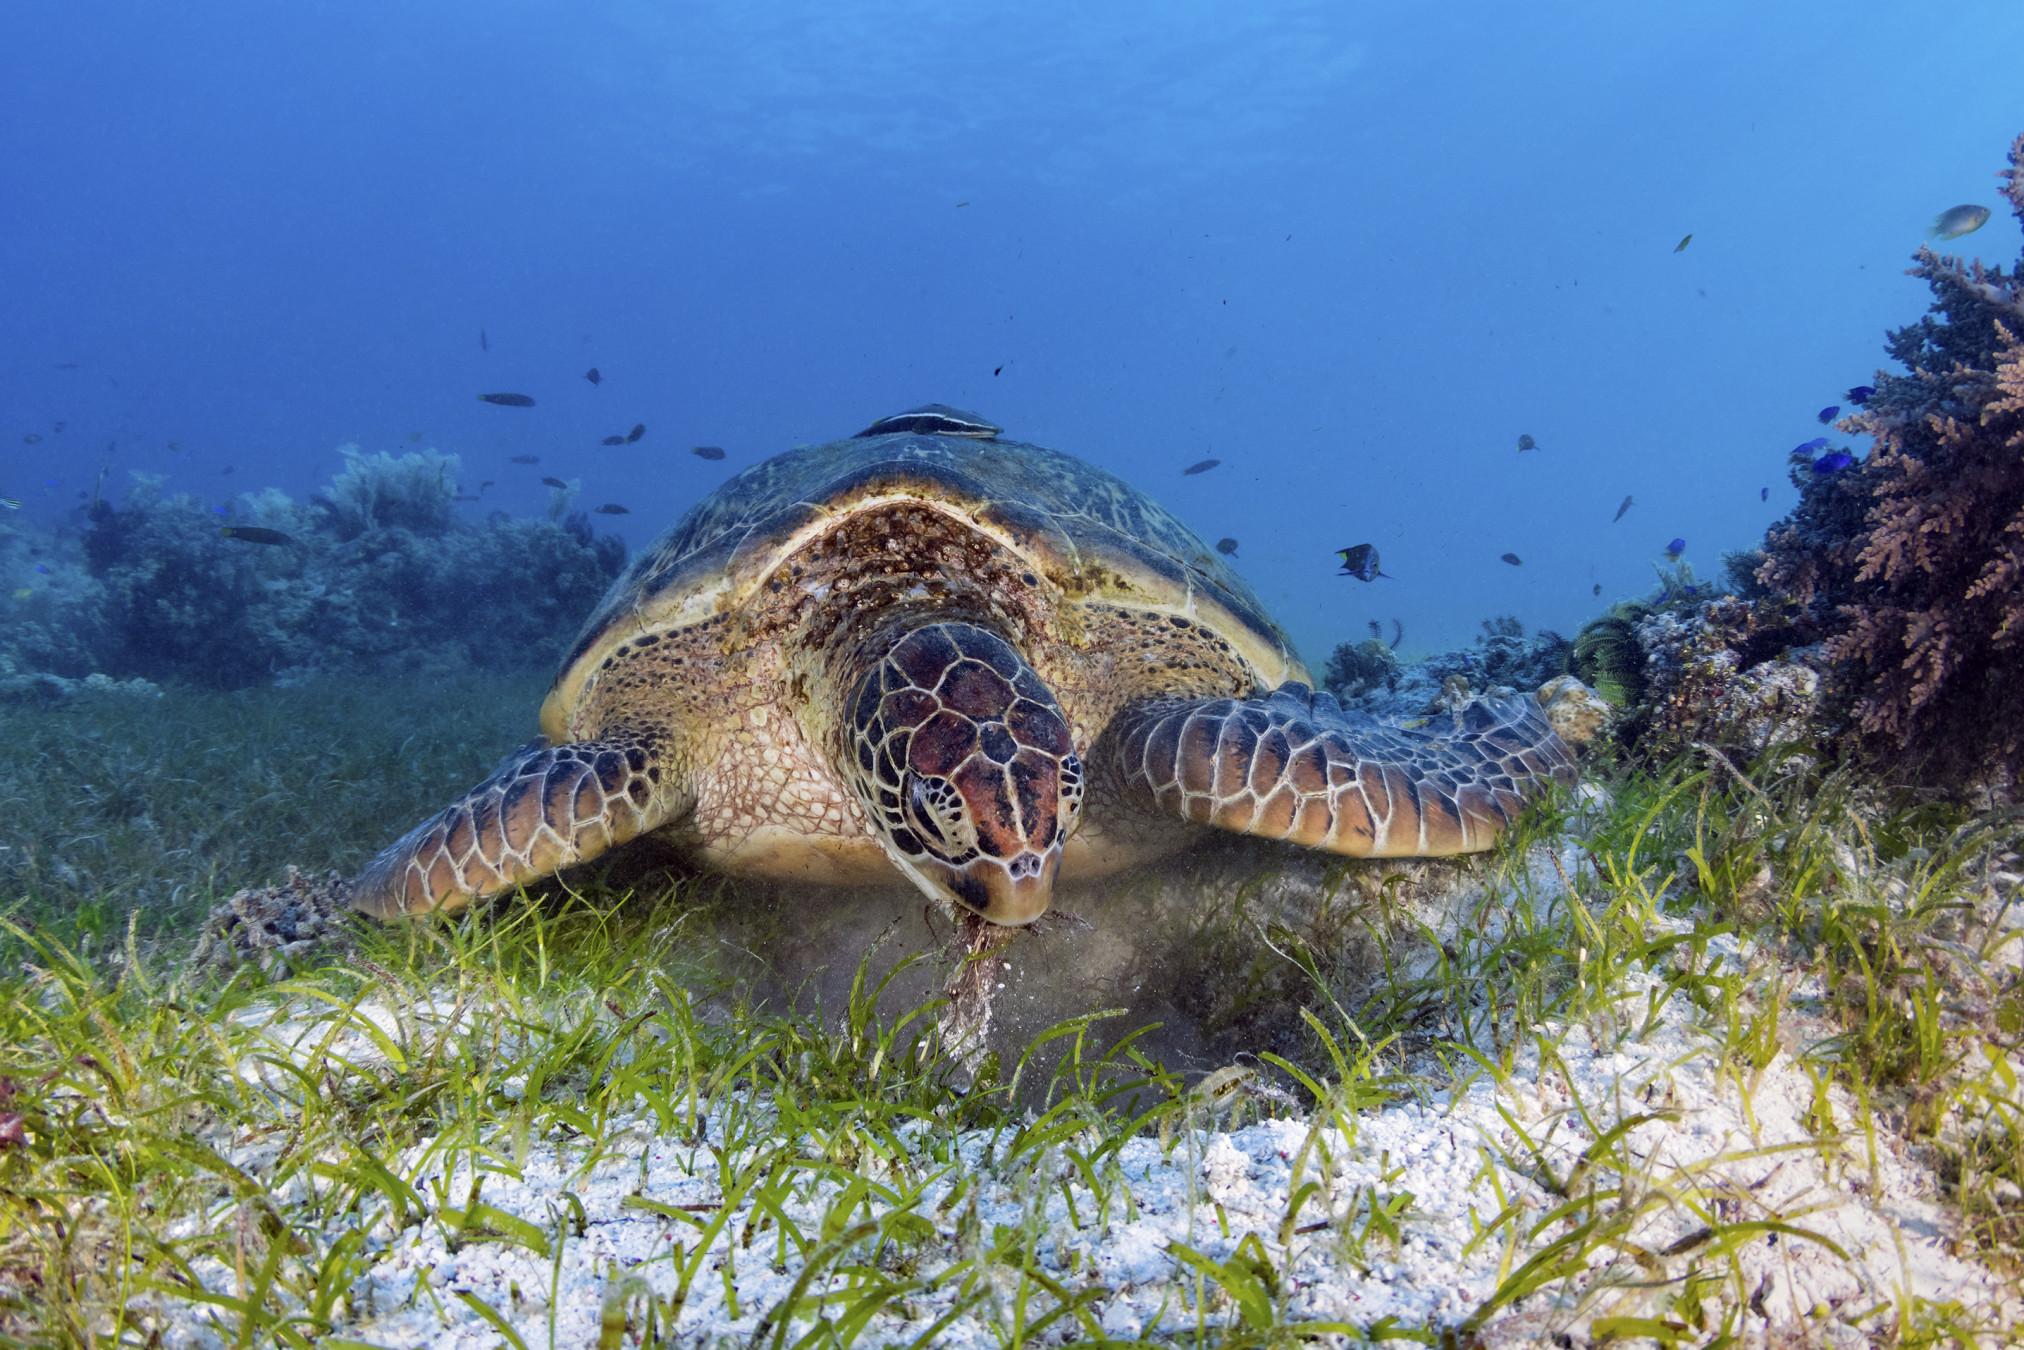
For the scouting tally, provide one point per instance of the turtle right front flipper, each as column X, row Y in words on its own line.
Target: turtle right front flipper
column 545, row 808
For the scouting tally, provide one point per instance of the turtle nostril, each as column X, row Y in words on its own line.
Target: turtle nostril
column 1024, row 866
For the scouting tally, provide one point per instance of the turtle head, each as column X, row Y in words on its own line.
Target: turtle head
column 963, row 761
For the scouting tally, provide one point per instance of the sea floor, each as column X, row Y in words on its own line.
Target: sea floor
column 1694, row 1057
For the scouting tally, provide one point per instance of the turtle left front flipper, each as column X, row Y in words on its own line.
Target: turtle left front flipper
column 1295, row 765
column 545, row 808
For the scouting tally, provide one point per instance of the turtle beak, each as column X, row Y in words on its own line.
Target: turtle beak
column 1012, row 892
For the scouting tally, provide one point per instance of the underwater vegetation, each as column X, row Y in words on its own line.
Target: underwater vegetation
column 373, row 574
column 1908, row 567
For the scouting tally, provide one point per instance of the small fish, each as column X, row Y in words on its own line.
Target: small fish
column 228, row 469
column 414, row 436
column 1227, row 546
column 1511, row 558
column 1200, row 466
column 1360, row 561
column 612, row 440
column 554, row 483
column 593, row 376
column 1956, row 221
column 10, row 504
column 1808, row 447
column 43, row 568
column 525, row 459
column 612, row 509
column 1763, row 494
column 254, row 534
column 32, row 438
column 58, row 427
column 486, row 482
column 708, row 452
column 1829, row 413
column 1833, row 463
column 1626, row 505
column 1598, row 585
column 464, row 497
column 23, row 593
column 1675, row 547
column 1681, row 247
column 66, row 365
column 639, row 430
column 507, row 400
column 1860, row 394
column 1526, row 443
column 484, row 343
column 1376, row 630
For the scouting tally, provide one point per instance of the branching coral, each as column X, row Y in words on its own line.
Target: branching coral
column 378, row 491
column 1910, row 566
column 1357, row 669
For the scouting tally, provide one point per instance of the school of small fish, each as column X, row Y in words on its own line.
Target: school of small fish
column 1359, row 561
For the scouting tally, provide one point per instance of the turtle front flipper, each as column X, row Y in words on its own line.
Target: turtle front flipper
column 1295, row 765
column 546, row 807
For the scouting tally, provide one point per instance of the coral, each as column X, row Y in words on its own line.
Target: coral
column 376, row 573
column 414, row 492
column 54, row 621
column 1708, row 681
column 1504, row 657
column 1909, row 567
column 40, row 686
column 179, row 599
column 1355, row 670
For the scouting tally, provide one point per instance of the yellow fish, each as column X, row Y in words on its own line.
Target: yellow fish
column 24, row 594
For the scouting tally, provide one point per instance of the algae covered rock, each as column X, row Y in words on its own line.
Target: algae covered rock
column 1577, row 713
column 1707, row 685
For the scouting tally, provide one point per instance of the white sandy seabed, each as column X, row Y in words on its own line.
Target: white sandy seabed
column 1728, row 1145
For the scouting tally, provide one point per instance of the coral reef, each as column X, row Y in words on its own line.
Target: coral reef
column 1357, row 670
column 1710, row 678
column 1367, row 676
column 375, row 573
column 1908, row 567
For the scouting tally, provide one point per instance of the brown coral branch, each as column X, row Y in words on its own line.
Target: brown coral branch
column 1910, row 567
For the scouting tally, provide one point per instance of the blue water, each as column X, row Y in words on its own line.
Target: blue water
column 1351, row 251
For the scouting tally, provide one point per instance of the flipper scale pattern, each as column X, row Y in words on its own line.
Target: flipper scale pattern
column 1295, row 765
column 546, row 807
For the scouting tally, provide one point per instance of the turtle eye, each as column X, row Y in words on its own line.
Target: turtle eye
column 1071, row 780
column 935, row 809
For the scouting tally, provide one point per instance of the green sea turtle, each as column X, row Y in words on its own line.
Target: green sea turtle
column 976, row 661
